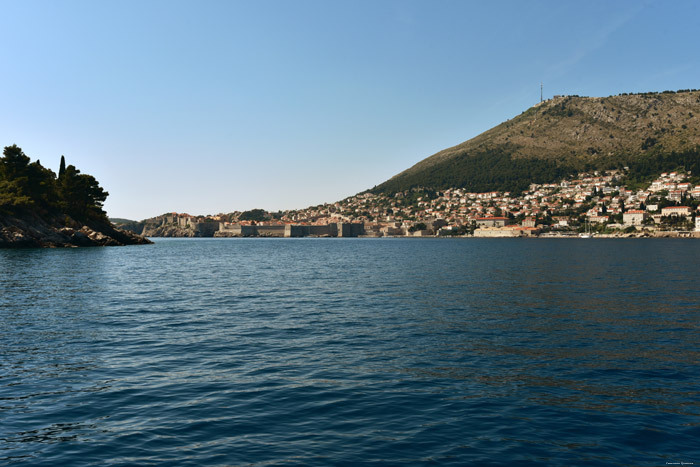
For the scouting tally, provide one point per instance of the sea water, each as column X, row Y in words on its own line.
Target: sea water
column 352, row 352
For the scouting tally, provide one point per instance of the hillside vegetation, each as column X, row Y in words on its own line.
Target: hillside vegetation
column 40, row 208
column 564, row 135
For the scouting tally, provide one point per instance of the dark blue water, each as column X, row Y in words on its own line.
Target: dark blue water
column 352, row 352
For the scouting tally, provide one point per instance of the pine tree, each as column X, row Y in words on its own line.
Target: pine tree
column 14, row 178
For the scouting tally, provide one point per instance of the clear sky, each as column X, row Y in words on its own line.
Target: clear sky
column 215, row 106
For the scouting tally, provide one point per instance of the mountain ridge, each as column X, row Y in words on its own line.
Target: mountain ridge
column 561, row 136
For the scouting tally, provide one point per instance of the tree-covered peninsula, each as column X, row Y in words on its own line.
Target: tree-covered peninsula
column 41, row 209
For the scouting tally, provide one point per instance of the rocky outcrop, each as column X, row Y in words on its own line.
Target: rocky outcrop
column 192, row 229
column 168, row 230
column 638, row 234
column 31, row 231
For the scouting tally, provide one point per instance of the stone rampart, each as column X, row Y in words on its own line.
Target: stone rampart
column 341, row 229
column 205, row 229
column 270, row 230
column 347, row 229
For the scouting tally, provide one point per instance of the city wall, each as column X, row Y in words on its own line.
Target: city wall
column 290, row 230
column 205, row 229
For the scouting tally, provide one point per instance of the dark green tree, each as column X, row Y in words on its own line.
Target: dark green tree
column 62, row 169
column 14, row 162
column 254, row 215
column 14, row 179
column 418, row 226
column 81, row 195
column 42, row 185
column 28, row 187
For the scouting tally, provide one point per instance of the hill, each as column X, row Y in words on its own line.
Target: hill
column 567, row 134
column 120, row 221
column 40, row 209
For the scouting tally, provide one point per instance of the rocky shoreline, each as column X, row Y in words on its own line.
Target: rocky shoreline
column 32, row 231
column 168, row 231
column 641, row 234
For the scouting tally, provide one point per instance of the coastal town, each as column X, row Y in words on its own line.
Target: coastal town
column 589, row 204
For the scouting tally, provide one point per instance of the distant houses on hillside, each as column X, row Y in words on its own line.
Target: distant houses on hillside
column 596, row 201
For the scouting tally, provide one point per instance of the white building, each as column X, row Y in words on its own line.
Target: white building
column 676, row 211
column 599, row 219
column 634, row 217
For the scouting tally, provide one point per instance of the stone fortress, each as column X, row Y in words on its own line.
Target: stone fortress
column 184, row 225
column 340, row 229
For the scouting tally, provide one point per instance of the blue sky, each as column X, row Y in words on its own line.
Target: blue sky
column 215, row 106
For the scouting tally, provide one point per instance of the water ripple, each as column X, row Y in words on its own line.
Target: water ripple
column 345, row 351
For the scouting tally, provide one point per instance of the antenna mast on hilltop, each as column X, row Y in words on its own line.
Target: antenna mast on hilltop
column 541, row 94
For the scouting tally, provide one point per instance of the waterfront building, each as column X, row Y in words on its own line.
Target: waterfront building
column 492, row 221
column 676, row 211
column 529, row 222
column 634, row 217
column 598, row 219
